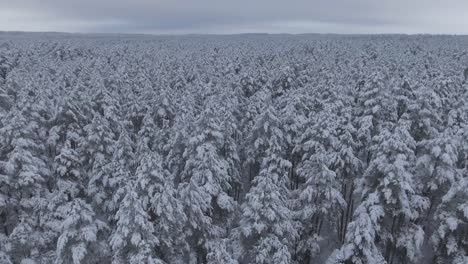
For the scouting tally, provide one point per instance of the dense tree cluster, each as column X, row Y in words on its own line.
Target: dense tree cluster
column 233, row 149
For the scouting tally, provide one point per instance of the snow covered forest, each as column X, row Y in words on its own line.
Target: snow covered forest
column 233, row 149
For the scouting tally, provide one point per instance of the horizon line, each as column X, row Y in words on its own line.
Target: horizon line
column 228, row 34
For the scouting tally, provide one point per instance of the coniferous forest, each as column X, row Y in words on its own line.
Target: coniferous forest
column 233, row 149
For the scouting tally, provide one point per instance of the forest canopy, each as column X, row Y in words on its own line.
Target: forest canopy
column 233, row 149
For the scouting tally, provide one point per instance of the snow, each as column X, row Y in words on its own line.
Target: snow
column 233, row 149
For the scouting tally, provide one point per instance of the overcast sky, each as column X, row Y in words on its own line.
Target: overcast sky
column 236, row 16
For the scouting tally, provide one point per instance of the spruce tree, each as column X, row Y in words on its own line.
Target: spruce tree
column 266, row 223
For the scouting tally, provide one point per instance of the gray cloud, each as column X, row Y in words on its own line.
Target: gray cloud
column 220, row 16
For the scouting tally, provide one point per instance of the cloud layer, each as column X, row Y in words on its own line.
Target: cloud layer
column 220, row 16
